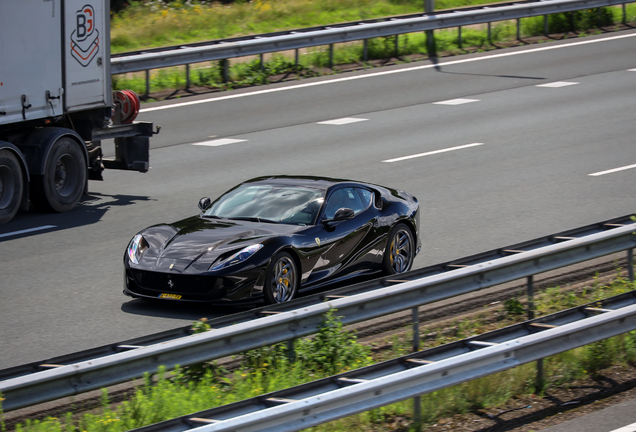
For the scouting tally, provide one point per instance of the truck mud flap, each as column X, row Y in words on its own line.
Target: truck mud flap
column 131, row 153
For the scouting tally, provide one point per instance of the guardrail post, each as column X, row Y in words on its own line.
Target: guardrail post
column 417, row 413
column 431, row 49
column 530, row 292
column 489, row 33
column 417, row 400
column 330, row 56
column 291, row 351
column 147, row 95
column 429, row 7
column 397, row 46
column 519, row 29
column 365, row 50
column 262, row 63
column 459, row 37
column 416, row 328
column 539, row 384
column 187, row 87
column 630, row 264
column 531, row 308
column 624, row 15
column 545, row 25
column 296, row 57
column 225, row 70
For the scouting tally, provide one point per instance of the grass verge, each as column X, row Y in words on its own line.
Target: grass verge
column 334, row 350
column 146, row 24
column 314, row 61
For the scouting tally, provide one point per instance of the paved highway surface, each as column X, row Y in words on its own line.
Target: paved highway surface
column 616, row 418
column 499, row 147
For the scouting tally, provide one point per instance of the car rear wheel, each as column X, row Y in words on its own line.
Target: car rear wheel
column 398, row 256
column 281, row 281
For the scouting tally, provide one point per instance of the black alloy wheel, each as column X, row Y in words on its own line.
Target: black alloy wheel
column 64, row 179
column 281, row 279
column 10, row 185
column 399, row 253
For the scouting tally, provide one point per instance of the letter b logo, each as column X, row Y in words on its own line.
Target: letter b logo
column 84, row 19
column 85, row 36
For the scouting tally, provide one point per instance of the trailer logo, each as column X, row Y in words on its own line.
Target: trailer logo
column 85, row 37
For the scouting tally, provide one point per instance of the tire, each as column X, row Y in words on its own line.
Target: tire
column 281, row 279
column 62, row 185
column 11, row 185
column 399, row 252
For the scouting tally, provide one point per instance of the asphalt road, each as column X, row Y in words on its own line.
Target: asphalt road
column 517, row 164
column 616, row 418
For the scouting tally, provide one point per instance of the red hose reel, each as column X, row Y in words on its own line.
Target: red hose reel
column 129, row 102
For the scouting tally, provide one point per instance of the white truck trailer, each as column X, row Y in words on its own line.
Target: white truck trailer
column 57, row 105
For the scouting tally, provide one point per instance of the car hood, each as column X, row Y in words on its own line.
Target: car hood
column 192, row 245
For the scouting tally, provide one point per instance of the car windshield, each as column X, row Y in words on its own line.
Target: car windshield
column 269, row 203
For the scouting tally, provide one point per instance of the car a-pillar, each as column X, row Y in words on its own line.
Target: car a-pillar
column 13, row 180
column 58, row 167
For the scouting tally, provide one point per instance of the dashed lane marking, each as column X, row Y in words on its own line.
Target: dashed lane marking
column 343, row 121
column 25, row 231
column 600, row 173
column 433, row 152
column 557, row 84
column 628, row 428
column 456, row 102
column 219, row 142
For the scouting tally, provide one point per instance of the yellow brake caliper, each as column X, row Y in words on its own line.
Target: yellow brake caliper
column 285, row 281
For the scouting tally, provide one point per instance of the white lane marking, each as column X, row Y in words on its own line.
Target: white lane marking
column 600, row 173
column 433, row 152
column 389, row 72
column 219, row 142
column 558, row 84
column 631, row 70
column 343, row 121
column 455, row 101
column 14, row 233
column 628, row 428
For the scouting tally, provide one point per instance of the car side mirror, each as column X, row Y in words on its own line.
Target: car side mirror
column 341, row 214
column 204, row 203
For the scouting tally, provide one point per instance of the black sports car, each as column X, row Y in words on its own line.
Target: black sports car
column 272, row 237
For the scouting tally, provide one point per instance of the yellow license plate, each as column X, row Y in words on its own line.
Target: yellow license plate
column 171, row 296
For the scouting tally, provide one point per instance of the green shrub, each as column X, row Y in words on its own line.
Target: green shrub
column 514, row 307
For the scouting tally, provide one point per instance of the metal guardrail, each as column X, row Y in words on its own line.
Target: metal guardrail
column 415, row 374
column 76, row 373
column 345, row 32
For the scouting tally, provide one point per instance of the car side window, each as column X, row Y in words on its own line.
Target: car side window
column 366, row 196
column 352, row 198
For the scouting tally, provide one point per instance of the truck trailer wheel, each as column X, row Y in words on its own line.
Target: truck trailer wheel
column 10, row 185
column 62, row 185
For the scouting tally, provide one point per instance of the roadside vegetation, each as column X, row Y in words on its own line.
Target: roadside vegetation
column 147, row 24
column 335, row 349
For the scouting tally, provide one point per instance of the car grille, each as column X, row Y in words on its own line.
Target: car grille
column 174, row 282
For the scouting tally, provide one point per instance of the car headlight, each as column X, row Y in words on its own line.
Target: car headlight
column 238, row 257
column 136, row 248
